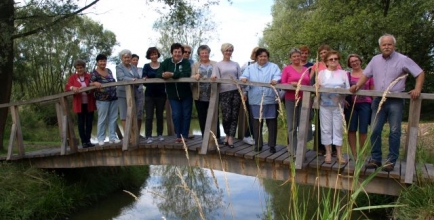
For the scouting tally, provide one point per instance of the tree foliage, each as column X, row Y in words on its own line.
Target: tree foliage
column 353, row 26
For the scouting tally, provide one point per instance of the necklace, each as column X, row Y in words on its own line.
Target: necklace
column 81, row 80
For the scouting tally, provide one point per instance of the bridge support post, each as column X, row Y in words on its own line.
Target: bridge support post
column 69, row 127
column 411, row 139
column 16, row 134
column 303, row 128
column 131, row 128
column 211, row 121
column 169, row 121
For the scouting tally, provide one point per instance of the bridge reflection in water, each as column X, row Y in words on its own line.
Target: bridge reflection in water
column 203, row 152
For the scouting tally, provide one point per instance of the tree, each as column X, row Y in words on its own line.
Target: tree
column 52, row 12
column 198, row 31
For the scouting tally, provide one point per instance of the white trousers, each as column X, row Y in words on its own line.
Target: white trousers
column 332, row 127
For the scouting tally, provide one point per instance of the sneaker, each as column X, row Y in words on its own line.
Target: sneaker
column 160, row 138
column 100, row 143
column 149, row 140
column 249, row 140
column 373, row 164
column 388, row 167
column 116, row 141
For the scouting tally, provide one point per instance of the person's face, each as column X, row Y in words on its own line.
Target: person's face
column 304, row 55
column 126, row 59
column 187, row 52
column 295, row 58
column 154, row 57
column 262, row 58
column 227, row 54
column 387, row 46
column 101, row 64
column 322, row 54
column 355, row 63
column 204, row 55
column 79, row 69
column 135, row 61
column 332, row 61
column 177, row 55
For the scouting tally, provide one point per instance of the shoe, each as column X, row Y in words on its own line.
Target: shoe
column 178, row 140
column 116, row 141
column 231, row 146
column 225, row 143
column 190, row 136
column 257, row 149
column 373, row 164
column 272, row 150
column 100, row 143
column 90, row 145
column 160, row 138
column 249, row 140
column 149, row 140
column 388, row 167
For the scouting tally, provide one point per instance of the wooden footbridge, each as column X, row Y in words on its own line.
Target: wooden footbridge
column 204, row 152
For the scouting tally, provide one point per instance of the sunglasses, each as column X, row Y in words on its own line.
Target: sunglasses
column 333, row 59
column 229, row 51
column 189, row 52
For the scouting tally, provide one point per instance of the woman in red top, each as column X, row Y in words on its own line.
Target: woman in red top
column 83, row 103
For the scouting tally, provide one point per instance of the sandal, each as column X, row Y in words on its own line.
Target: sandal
column 341, row 160
column 328, row 159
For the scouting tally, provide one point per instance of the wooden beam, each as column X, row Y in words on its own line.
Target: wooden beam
column 303, row 129
column 72, row 140
column 11, row 141
column 131, row 129
column 211, row 121
column 169, row 121
column 64, row 135
column 411, row 139
column 59, row 116
column 18, row 134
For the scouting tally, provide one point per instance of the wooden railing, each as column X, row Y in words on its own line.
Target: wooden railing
column 131, row 133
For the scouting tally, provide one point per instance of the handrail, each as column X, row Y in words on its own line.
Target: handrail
column 403, row 95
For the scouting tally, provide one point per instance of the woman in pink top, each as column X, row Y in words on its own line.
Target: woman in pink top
column 292, row 74
column 358, row 117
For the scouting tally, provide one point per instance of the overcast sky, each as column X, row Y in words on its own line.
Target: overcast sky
column 240, row 23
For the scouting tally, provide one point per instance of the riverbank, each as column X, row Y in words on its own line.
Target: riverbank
column 30, row 193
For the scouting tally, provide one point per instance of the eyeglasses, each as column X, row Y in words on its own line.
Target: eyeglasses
column 355, row 61
column 189, row 52
column 229, row 51
column 333, row 59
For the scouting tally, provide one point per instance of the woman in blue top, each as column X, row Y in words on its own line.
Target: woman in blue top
column 264, row 72
column 155, row 95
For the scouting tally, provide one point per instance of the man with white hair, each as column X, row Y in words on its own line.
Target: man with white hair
column 386, row 68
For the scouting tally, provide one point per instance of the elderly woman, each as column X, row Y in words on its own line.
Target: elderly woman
column 202, row 92
column 125, row 71
column 293, row 74
column 359, row 116
column 155, row 96
column 265, row 72
column 106, row 100
column 331, row 106
column 83, row 102
column 179, row 94
column 230, row 98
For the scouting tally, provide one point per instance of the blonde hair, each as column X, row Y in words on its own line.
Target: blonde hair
column 226, row 46
column 253, row 54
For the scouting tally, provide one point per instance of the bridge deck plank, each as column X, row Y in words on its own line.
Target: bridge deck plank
column 317, row 162
column 273, row 157
column 310, row 156
column 340, row 167
column 254, row 154
column 265, row 154
column 281, row 158
column 247, row 150
column 238, row 145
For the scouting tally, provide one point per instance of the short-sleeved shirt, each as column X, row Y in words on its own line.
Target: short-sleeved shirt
column 367, row 86
column 386, row 70
column 332, row 79
column 205, row 72
column 107, row 93
column 289, row 75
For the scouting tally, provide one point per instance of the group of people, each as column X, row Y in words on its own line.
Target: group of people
column 262, row 101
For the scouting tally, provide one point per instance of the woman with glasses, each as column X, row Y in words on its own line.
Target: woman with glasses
column 331, row 106
column 230, row 98
column 358, row 112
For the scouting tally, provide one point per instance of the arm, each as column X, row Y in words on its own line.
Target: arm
column 69, row 84
column 144, row 72
column 121, row 75
column 415, row 93
column 362, row 80
column 277, row 75
column 246, row 75
column 160, row 70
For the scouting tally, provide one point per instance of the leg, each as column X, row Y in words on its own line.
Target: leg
column 272, row 134
column 122, row 103
column 187, row 105
column 139, row 107
column 225, row 108
column 160, row 102
column 326, row 118
column 395, row 119
column 364, row 111
column 202, row 112
column 235, row 109
column 176, row 116
column 149, row 114
column 338, row 130
column 377, row 124
column 103, row 112
column 81, row 120
column 88, row 128
column 291, row 118
column 257, row 133
column 113, row 119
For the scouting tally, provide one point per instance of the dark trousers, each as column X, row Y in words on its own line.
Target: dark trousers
column 230, row 104
column 202, row 113
column 154, row 103
column 249, row 131
column 85, row 120
column 272, row 132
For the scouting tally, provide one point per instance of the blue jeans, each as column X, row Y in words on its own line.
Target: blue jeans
column 181, row 115
column 391, row 110
column 107, row 114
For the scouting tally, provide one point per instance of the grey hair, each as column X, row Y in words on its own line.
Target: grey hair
column 124, row 52
column 203, row 47
column 386, row 35
column 294, row 50
column 80, row 63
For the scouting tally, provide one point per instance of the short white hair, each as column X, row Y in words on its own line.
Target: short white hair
column 124, row 52
column 386, row 35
